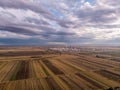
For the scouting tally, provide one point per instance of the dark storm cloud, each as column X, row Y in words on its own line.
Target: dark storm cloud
column 26, row 5
column 112, row 2
column 17, row 30
column 11, row 41
column 73, row 40
column 22, row 4
column 47, row 34
column 101, row 26
column 97, row 16
column 66, row 24
column 36, row 21
column 58, row 33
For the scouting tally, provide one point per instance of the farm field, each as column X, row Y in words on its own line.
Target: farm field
column 46, row 70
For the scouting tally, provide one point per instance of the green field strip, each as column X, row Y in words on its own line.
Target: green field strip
column 10, row 72
column 13, row 77
column 44, row 69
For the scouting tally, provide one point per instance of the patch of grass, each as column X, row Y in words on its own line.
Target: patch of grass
column 13, row 77
column 46, row 72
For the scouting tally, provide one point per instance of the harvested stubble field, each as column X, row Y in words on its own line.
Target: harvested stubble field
column 41, row 70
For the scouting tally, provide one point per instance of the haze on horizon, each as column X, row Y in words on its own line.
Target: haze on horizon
column 59, row 22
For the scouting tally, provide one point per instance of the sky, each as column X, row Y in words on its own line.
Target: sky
column 59, row 22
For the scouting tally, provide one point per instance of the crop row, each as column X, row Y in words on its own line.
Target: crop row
column 109, row 74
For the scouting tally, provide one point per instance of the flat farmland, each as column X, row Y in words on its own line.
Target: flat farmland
column 48, row 70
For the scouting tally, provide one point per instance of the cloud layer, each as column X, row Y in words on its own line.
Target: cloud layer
column 71, row 22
